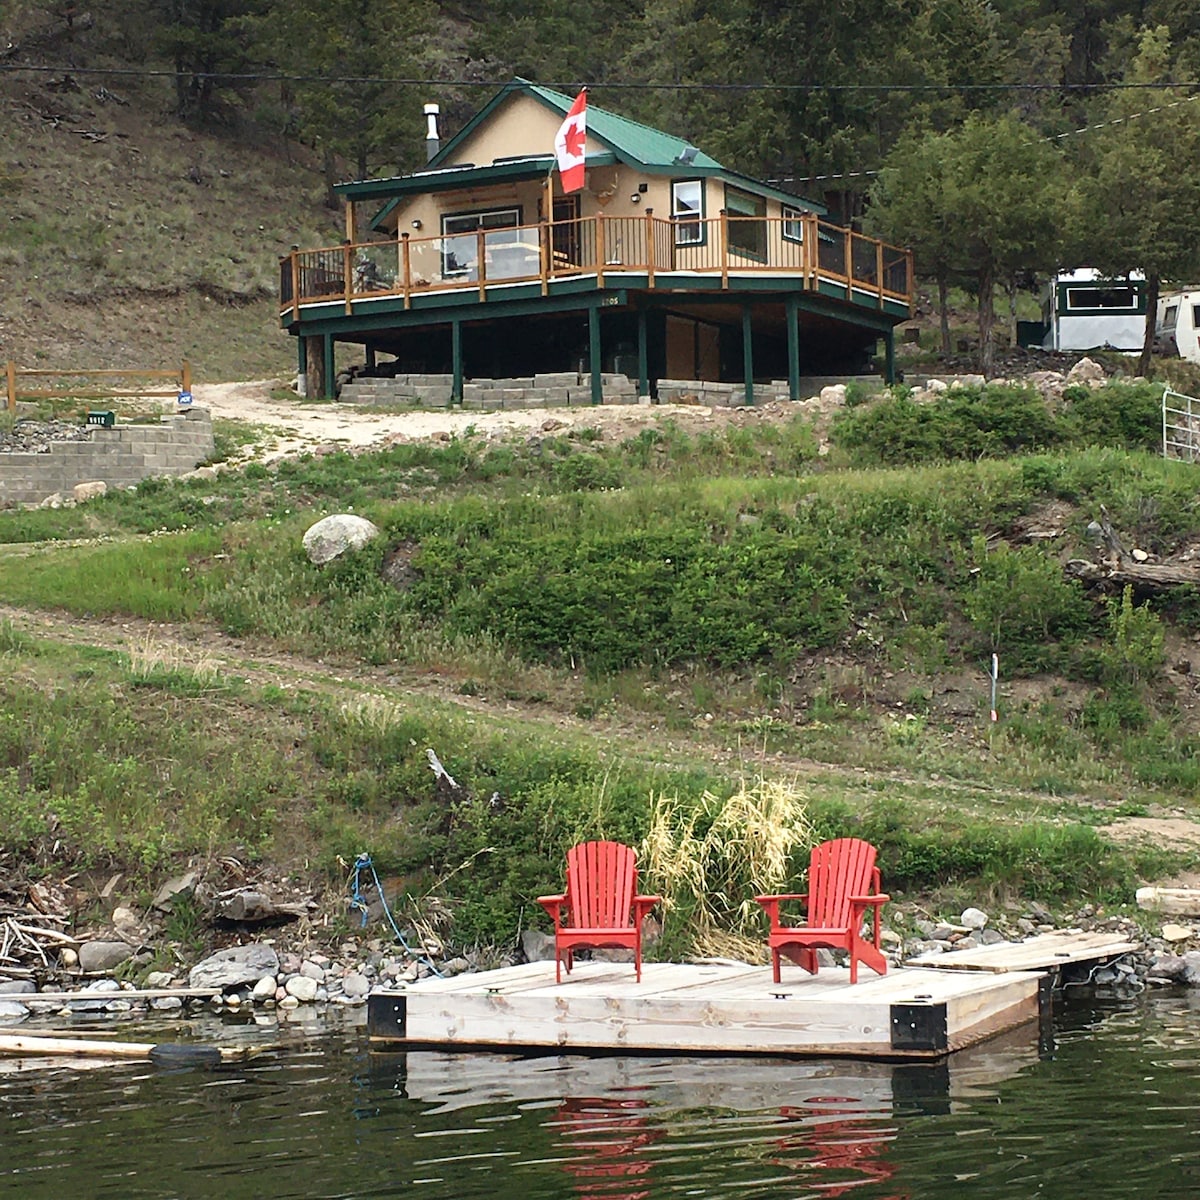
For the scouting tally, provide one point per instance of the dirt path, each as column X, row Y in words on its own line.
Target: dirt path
column 291, row 426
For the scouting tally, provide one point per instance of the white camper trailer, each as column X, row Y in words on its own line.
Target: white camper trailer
column 1177, row 330
column 1083, row 310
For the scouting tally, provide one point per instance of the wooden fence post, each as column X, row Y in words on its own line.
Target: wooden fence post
column 600, row 251
column 347, row 275
column 724, row 249
column 11, row 385
column 406, row 269
column 650, row 246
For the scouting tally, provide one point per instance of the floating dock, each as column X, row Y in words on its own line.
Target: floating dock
column 1048, row 952
column 709, row 1008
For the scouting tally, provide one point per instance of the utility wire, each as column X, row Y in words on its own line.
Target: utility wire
column 401, row 81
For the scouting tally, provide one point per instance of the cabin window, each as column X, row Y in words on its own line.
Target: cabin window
column 747, row 223
column 687, row 211
column 460, row 241
column 1116, row 298
column 793, row 224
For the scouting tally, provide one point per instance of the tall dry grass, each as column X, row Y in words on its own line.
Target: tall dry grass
column 710, row 857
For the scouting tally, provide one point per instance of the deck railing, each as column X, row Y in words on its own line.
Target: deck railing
column 801, row 246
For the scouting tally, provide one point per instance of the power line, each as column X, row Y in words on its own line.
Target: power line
column 403, row 81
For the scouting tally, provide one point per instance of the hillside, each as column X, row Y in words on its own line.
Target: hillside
column 133, row 241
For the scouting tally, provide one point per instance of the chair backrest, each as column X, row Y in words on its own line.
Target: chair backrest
column 838, row 870
column 601, row 883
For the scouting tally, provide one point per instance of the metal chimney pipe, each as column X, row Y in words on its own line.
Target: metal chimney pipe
column 432, row 143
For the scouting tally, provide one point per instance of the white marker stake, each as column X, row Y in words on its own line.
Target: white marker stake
column 995, row 676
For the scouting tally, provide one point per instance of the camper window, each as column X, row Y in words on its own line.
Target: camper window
column 1196, row 316
column 1101, row 297
column 1170, row 315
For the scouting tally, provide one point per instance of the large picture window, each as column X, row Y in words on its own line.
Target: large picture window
column 460, row 241
column 687, row 209
column 747, row 236
column 1113, row 297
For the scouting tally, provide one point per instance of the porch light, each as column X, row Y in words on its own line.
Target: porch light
column 416, row 223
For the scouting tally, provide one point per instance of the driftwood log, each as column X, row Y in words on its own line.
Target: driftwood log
column 1118, row 567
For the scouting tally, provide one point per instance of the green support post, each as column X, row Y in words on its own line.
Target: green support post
column 301, row 357
column 594, row 355
column 793, row 345
column 747, row 353
column 456, row 359
column 643, row 355
column 330, row 381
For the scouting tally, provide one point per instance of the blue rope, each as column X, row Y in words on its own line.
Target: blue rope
column 362, row 863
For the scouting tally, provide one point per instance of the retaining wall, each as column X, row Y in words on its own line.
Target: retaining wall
column 121, row 456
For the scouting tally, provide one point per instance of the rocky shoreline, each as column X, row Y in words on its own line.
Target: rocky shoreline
column 255, row 975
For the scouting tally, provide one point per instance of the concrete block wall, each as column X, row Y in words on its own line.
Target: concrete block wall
column 548, row 390
column 121, row 456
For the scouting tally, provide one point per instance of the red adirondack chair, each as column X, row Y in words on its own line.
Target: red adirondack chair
column 843, row 882
column 600, row 907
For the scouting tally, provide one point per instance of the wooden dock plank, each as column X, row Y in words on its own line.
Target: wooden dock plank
column 728, row 1008
column 1043, row 953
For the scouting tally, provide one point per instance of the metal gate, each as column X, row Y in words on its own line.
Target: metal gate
column 1181, row 426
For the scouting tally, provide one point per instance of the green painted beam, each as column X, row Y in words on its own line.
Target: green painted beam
column 748, row 353
column 456, row 358
column 793, row 345
column 594, row 355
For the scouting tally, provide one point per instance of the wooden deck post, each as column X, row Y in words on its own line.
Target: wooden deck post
column 10, row 376
column 748, row 353
column 643, row 354
column 724, row 250
column 793, row 346
column 481, row 263
column 600, row 251
column 848, row 241
column 650, row 247
column 314, row 368
column 406, row 269
column 456, row 362
column 879, row 270
column 348, row 275
column 545, row 255
column 295, row 283
column 594, row 354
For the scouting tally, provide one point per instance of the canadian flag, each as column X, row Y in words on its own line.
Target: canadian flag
column 569, row 144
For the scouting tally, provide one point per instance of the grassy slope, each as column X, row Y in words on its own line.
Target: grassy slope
column 113, row 256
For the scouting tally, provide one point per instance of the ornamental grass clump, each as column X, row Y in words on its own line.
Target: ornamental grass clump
column 709, row 858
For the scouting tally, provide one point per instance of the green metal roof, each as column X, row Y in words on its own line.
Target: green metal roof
column 631, row 142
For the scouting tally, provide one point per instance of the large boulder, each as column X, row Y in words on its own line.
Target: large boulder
column 1088, row 372
column 334, row 535
column 233, row 967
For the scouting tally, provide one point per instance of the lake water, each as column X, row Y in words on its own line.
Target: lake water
column 1112, row 1110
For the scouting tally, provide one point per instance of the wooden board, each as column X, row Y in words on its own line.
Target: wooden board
column 730, row 1008
column 1043, row 953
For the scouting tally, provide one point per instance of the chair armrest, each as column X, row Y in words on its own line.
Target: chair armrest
column 553, row 905
column 772, row 903
column 642, row 905
column 865, row 900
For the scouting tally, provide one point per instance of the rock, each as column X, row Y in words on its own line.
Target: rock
column 1089, row 372
column 159, row 979
column 96, row 997
column 16, row 987
column 103, row 956
column 302, row 988
column 1040, row 915
column 83, row 492
column 967, row 943
column 1191, row 969
column 991, row 937
column 264, row 989
column 835, row 393
column 1169, row 968
column 288, row 1003
column 455, row 966
column 1176, row 933
column 181, row 885
column 11, row 1012
column 355, row 985
column 335, row 535
column 126, row 923
column 235, row 966
column 943, row 931
column 1175, row 902
column 537, row 946
column 69, row 958
column 312, row 970
column 166, row 1004
column 890, row 938
column 974, row 918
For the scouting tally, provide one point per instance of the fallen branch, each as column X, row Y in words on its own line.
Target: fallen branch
column 1119, row 567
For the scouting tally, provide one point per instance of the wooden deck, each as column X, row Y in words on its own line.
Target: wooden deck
column 718, row 1007
column 1045, row 953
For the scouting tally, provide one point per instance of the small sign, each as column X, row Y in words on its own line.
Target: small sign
column 107, row 418
column 184, row 399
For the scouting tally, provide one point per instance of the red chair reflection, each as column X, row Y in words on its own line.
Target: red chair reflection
column 608, row 1134
column 850, row 1149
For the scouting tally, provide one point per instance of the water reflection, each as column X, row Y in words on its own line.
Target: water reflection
column 1116, row 1109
